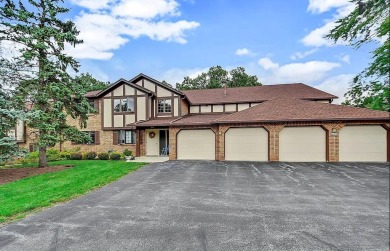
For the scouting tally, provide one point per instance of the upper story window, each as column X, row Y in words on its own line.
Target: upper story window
column 124, row 105
column 94, row 106
column 164, row 105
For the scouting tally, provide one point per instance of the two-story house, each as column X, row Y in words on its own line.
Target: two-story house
column 287, row 122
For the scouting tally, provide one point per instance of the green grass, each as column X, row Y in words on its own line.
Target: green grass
column 20, row 197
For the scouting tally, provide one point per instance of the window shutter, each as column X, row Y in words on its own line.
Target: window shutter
column 96, row 105
column 97, row 138
column 31, row 147
column 115, row 139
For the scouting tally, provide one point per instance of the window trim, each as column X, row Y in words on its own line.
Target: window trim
column 120, row 104
column 164, row 113
column 123, row 132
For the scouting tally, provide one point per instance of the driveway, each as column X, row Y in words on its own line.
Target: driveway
column 206, row 205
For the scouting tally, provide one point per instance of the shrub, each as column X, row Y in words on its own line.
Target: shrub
column 52, row 151
column 53, row 157
column 103, row 156
column 127, row 152
column 65, row 155
column 115, row 156
column 90, row 155
column 76, row 156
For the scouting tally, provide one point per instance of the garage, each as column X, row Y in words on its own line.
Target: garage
column 196, row 144
column 302, row 144
column 363, row 143
column 250, row 144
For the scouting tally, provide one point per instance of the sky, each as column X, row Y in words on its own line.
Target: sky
column 279, row 41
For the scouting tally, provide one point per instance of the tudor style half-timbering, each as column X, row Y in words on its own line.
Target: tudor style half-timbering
column 288, row 122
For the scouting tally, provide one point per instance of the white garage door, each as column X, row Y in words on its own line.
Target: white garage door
column 302, row 144
column 363, row 143
column 196, row 144
column 246, row 144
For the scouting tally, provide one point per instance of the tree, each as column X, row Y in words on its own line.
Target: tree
column 8, row 119
column 90, row 83
column 216, row 77
column 35, row 27
column 368, row 22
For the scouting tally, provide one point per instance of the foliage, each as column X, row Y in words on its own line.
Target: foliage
column 115, row 156
column 90, row 155
column 127, row 152
column 42, row 36
column 23, row 196
column 103, row 156
column 90, row 83
column 9, row 117
column 216, row 77
column 76, row 156
column 368, row 22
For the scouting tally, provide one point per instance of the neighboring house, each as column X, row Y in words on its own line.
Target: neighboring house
column 288, row 122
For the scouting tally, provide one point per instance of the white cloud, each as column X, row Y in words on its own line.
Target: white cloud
column 242, row 52
column 92, row 4
column 320, row 6
column 267, row 64
column 146, row 8
column 337, row 85
column 300, row 55
column 345, row 58
column 176, row 75
column 307, row 72
column 108, row 25
column 316, row 37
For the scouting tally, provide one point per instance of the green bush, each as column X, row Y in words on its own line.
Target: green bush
column 52, row 151
column 115, row 156
column 76, row 156
column 90, row 155
column 65, row 155
column 127, row 152
column 103, row 156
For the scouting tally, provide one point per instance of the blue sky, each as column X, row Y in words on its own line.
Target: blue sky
column 279, row 41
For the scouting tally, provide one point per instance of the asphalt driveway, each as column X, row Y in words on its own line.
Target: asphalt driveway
column 184, row 205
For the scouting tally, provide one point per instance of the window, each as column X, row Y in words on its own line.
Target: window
column 164, row 105
column 92, row 106
column 126, row 137
column 124, row 105
column 92, row 137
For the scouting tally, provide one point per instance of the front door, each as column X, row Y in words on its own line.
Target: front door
column 164, row 142
column 152, row 142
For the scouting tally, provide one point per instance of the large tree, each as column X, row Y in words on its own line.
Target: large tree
column 369, row 22
column 35, row 27
column 8, row 119
column 217, row 77
column 90, row 83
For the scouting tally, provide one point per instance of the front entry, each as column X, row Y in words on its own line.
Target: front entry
column 157, row 142
column 164, row 142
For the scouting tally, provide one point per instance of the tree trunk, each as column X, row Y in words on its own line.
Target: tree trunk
column 42, row 157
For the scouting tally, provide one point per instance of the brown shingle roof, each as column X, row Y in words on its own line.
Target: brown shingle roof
column 155, row 122
column 91, row 94
column 279, row 110
column 198, row 119
column 255, row 94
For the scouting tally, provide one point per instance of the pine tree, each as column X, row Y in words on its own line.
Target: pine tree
column 34, row 25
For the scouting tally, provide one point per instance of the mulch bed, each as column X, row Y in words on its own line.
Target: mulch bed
column 12, row 174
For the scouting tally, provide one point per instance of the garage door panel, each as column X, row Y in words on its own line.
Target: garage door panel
column 302, row 144
column 362, row 143
column 196, row 144
column 246, row 144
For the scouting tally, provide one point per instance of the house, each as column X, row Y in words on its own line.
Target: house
column 287, row 122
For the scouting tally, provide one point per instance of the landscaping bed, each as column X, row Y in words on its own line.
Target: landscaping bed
column 13, row 174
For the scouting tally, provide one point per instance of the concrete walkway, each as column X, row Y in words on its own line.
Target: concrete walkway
column 208, row 205
column 151, row 159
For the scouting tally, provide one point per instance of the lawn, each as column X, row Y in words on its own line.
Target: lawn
column 20, row 197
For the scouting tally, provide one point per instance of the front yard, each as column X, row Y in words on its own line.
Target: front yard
column 20, row 197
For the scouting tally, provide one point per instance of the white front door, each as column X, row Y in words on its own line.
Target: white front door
column 152, row 142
